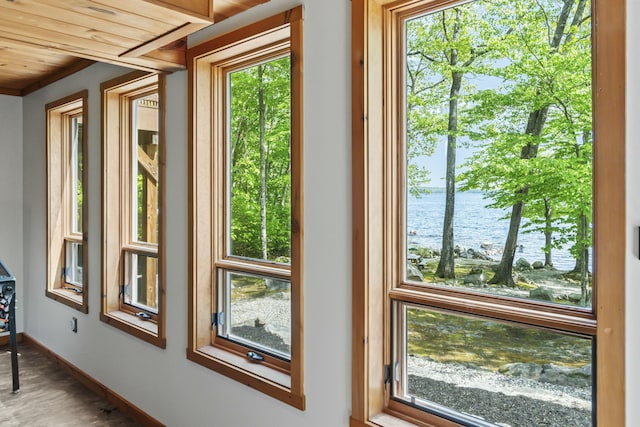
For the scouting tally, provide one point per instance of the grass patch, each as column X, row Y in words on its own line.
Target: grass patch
column 450, row 338
column 249, row 287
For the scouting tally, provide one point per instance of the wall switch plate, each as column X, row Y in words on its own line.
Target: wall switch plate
column 74, row 324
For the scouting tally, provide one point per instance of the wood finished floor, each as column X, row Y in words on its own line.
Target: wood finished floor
column 49, row 396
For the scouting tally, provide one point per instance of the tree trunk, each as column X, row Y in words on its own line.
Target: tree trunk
column 582, row 262
column 504, row 271
column 548, row 233
column 535, row 124
column 446, row 266
column 263, row 164
column 582, row 241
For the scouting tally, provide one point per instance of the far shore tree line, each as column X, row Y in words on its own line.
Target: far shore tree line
column 512, row 79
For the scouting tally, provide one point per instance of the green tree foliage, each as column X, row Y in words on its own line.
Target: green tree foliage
column 260, row 161
column 534, row 148
column 528, row 116
column 442, row 49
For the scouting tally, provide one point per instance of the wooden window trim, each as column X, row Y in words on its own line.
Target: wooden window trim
column 268, row 35
column 369, row 407
column 116, row 218
column 59, row 113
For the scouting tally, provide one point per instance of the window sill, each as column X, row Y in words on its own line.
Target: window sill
column 69, row 298
column 381, row 420
column 145, row 330
column 392, row 419
column 260, row 377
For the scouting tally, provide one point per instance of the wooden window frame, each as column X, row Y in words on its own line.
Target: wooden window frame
column 117, row 96
column 374, row 216
column 274, row 35
column 60, row 207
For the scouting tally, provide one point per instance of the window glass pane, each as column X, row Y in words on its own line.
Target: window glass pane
column 504, row 374
column 145, row 169
column 141, row 281
column 256, row 312
column 498, row 141
column 74, row 263
column 76, row 174
column 259, row 161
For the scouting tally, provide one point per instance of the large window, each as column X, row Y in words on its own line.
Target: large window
column 66, row 193
column 133, row 148
column 488, row 285
column 246, row 206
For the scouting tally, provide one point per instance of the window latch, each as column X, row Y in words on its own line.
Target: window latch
column 391, row 373
column 255, row 357
column 143, row 316
column 387, row 375
column 217, row 319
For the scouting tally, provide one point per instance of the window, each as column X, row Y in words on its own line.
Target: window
column 246, row 206
column 66, row 191
column 471, row 117
column 133, row 194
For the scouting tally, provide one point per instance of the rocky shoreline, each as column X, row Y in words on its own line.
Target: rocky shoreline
column 475, row 267
column 503, row 400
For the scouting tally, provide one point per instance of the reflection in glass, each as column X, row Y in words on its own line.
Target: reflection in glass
column 492, row 371
column 256, row 312
column 498, row 146
column 145, row 169
column 259, row 161
column 141, row 281
column 76, row 174
column 74, row 263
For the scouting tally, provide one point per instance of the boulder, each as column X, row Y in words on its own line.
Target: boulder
column 523, row 265
column 537, row 265
column 525, row 370
column 475, row 277
column 541, row 293
column 550, row 373
column 567, row 376
column 413, row 273
column 277, row 285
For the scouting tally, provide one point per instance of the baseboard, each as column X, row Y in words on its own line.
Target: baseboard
column 4, row 339
column 120, row 402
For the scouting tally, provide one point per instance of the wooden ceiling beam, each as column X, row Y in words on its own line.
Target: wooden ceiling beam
column 78, row 65
column 44, row 40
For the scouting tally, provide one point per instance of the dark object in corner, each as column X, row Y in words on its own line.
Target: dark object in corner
column 8, row 318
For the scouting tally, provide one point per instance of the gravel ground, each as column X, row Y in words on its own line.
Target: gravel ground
column 500, row 399
column 265, row 320
column 503, row 400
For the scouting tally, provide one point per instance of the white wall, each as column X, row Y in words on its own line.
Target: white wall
column 633, row 215
column 162, row 382
column 11, row 194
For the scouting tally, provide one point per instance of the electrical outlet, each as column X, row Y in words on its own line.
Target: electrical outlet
column 74, row 324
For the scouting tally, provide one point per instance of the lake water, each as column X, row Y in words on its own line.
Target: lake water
column 474, row 224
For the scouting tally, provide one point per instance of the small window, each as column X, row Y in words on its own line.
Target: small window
column 246, row 211
column 66, row 210
column 133, row 194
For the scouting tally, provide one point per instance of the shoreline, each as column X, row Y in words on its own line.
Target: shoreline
column 501, row 399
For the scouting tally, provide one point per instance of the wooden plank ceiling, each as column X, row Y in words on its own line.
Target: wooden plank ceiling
column 44, row 40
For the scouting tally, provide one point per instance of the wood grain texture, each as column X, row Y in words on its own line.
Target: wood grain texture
column 41, row 40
